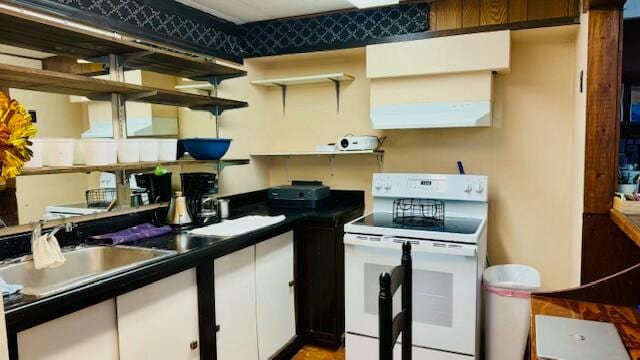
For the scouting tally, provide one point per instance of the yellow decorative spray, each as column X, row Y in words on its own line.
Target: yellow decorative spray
column 15, row 131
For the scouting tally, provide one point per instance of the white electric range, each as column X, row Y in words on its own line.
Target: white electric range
column 448, row 250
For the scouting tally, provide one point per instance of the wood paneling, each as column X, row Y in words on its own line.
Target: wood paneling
column 518, row 10
column 470, row 13
column 606, row 250
column 494, row 12
column 449, row 14
column 603, row 105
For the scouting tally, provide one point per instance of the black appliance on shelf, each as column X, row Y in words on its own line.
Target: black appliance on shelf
column 200, row 189
column 158, row 186
column 300, row 194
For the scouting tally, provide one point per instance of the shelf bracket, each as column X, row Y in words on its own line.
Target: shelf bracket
column 216, row 80
column 283, row 88
column 337, row 85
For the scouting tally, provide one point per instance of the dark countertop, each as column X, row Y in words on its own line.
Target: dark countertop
column 24, row 311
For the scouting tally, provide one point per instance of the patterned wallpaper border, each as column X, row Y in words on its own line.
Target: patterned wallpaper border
column 331, row 31
column 182, row 26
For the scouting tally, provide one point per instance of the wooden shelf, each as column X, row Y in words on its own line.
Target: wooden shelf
column 57, row 36
column 127, row 167
column 629, row 224
column 320, row 153
column 20, row 77
column 303, row 80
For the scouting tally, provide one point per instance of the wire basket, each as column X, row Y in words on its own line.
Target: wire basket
column 419, row 212
column 100, row 198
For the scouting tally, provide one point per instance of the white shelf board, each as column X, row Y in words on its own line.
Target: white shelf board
column 320, row 153
column 301, row 80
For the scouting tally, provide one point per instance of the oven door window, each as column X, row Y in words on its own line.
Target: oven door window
column 432, row 295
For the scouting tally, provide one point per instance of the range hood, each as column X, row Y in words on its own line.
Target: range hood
column 432, row 115
column 436, row 83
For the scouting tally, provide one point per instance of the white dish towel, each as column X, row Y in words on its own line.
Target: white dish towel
column 46, row 250
column 238, row 226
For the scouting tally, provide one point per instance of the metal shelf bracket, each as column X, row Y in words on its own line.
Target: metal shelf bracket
column 337, row 85
column 283, row 88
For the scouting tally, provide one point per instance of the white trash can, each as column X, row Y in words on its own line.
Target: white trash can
column 507, row 299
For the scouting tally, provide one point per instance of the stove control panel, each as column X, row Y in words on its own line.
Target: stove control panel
column 431, row 186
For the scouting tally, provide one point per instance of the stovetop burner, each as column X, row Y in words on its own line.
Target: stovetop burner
column 454, row 225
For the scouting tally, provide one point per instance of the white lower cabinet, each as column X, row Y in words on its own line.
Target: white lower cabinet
column 90, row 333
column 160, row 321
column 235, row 297
column 276, row 316
column 254, row 298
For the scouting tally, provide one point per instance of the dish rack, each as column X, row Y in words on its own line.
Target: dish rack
column 418, row 212
column 100, row 198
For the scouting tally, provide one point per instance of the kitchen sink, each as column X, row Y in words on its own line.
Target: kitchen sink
column 83, row 265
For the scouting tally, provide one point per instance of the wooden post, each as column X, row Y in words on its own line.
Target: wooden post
column 8, row 199
column 605, row 248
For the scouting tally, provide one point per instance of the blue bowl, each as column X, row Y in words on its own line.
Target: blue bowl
column 206, row 149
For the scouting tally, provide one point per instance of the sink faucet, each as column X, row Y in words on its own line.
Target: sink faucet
column 3, row 224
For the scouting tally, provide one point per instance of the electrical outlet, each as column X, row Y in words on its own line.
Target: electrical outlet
column 34, row 116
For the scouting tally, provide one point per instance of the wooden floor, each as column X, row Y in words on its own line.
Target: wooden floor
column 315, row 353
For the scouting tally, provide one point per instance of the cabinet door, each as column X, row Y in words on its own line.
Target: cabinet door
column 235, row 297
column 275, row 294
column 90, row 333
column 321, row 265
column 160, row 321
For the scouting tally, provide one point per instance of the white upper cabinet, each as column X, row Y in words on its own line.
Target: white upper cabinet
column 485, row 51
column 235, row 297
column 90, row 333
column 275, row 294
column 160, row 321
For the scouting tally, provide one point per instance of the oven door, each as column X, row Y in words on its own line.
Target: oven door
column 445, row 286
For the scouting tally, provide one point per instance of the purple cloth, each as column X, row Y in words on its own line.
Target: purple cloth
column 139, row 232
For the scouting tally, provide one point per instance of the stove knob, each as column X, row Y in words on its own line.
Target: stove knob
column 468, row 188
column 378, row 186
column 479, row 188
column 387, row 186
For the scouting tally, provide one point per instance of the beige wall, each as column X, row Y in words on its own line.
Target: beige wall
column 529, row 154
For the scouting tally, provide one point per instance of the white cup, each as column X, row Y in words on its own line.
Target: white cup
column 58, row 151
column 128, row 151
column 99, row 152
column 168, row 149
column 149, row 150
column 37, row 160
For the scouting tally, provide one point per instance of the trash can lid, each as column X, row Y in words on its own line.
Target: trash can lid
column 512, row 276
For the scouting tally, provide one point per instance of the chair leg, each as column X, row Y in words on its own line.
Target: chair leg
column 385, row 318
column 407, row 302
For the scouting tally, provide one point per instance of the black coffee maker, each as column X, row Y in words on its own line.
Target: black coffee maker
column 200, row 189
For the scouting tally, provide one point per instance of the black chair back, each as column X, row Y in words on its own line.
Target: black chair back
column 389, row 327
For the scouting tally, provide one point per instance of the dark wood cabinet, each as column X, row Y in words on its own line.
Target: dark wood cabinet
column 320, row 274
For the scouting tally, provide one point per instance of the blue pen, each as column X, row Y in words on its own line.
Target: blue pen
column 460, row 168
